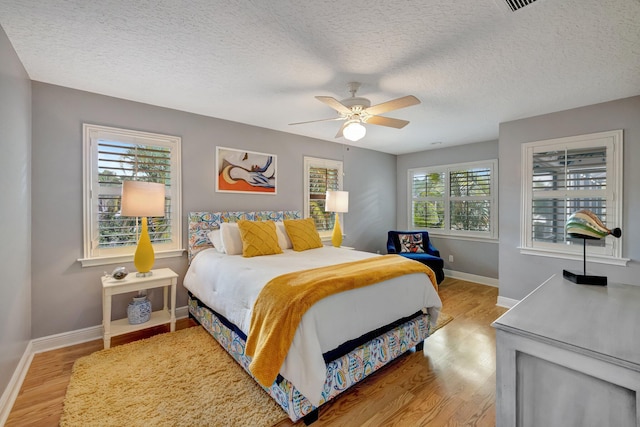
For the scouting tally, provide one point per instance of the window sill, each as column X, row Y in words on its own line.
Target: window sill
column 468, row 238
column 601, row 259
column 327, row 237
column 92, row 262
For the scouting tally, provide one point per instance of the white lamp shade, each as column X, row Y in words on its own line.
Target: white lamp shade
column 337, row 201
column 142, row 199
column 354, row 131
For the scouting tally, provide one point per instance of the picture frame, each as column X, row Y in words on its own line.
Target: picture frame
column 243, row 171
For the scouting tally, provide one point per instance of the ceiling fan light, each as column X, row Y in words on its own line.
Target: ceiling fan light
column 354, row 131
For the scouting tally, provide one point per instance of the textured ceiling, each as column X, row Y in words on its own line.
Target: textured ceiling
column 472, row 63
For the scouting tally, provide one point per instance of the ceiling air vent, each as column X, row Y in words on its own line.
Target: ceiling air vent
column 518, row 4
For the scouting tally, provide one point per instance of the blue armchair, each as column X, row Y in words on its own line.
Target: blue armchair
column 417, row 246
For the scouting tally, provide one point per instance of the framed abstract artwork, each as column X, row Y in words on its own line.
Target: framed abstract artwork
column 242, row 171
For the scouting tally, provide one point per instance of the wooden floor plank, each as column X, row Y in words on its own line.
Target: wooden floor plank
column 450, row 383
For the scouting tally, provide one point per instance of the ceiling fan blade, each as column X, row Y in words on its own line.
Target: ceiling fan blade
column 394, row 104
column 339, row 134
column 387, row 121
column 321, row 120
column 335, row 104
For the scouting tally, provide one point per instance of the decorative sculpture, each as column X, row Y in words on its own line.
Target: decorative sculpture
column 584, row 225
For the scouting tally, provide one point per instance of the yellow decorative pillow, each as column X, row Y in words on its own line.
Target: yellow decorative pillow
column 258, row 238
column 303, row 234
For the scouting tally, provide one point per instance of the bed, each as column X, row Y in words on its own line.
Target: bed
column 340, row 340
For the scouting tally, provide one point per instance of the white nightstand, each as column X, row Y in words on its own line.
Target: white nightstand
column 163, row 277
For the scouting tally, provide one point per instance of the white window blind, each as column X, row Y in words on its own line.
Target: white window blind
column 454, row 199
column 119, row 161
column 564, row 182
column 428, row 199
column 321, row 175
column 321, row 180
column 470, row 199
column 562, row 176
column 115, row 155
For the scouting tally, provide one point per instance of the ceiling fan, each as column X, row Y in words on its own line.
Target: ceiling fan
column 356, row 111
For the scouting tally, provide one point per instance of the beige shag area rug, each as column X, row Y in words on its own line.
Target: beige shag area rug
column 443, row 319
column 182, row 378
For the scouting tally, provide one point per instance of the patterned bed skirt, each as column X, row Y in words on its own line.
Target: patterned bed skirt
column 342, row 373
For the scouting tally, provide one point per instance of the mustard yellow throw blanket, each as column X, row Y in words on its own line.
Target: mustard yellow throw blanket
column 285, row 299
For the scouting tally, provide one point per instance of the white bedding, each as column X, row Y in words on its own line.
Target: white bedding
column 230, row 284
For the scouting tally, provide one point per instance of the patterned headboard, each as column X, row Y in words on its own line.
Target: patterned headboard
column 200, row 223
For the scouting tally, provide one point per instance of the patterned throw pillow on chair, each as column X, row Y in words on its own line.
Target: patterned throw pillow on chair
column 411, row 243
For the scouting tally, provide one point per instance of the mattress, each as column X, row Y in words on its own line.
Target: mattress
column 230, row 284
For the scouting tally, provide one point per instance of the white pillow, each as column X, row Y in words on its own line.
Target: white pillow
column 283, row 238
column 231, row 239
column 215, row 237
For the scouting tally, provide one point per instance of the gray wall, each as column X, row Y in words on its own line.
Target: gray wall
column 470, row 256
column 15, row 210
column 67, row 297
column 520, row 274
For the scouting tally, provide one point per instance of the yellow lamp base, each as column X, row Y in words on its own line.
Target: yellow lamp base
column 144, row 256
column 336, row 236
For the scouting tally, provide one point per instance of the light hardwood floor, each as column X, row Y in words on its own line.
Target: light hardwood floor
column 451, row 383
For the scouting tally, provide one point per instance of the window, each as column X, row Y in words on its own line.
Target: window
column 456, row 200
column 111, row 156
column 561, row 176
column 321, row 175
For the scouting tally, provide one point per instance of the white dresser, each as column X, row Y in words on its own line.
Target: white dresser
column 569, row 355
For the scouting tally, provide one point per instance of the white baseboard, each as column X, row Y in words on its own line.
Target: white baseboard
column 502, row 301
column 10, row 394
column 471, row 278
column 506, row 302
column 65, row 339
column 52, row 342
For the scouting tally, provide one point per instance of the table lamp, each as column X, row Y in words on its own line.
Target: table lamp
column 584, row 225
column 337, row 201
column 143, row 199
